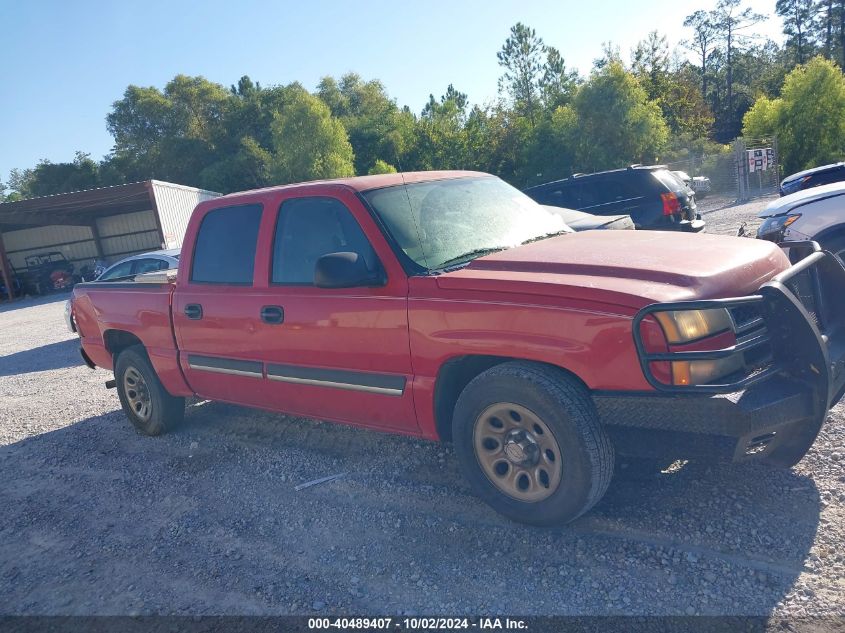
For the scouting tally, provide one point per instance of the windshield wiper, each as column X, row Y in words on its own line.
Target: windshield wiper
column 470, row 255
column 548, row 235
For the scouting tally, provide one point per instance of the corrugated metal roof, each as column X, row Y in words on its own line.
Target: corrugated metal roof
column 81, row 207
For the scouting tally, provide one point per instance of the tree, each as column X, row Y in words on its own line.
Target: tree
column 377, row 128
column 382, row 167
column 650, row 64
column 522, row 58
column 48, row 178
column 683, row 105
column 309, row 143
column 808, row 118
column 440, row 135
column 731, row 21
column 702, row 42
column 557, row 84
column 761, row 119
column 799, row 20
column 616, row 122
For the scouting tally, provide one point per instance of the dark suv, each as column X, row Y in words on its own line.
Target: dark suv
column 652, row 195
column 823, row 175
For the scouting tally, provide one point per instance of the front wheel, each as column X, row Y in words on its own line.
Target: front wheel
column 144, row 400
column 530, row 443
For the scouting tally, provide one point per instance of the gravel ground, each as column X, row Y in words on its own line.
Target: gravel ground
column 97, row 519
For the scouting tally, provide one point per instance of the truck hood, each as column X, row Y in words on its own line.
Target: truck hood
column 625, row 268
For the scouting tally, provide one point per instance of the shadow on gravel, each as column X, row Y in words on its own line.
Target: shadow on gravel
column 28, row 302
column 207, row 520
column 52, row 356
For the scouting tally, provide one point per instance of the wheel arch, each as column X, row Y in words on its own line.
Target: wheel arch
column 118, row 340
column 837, row 230
column 457, row 372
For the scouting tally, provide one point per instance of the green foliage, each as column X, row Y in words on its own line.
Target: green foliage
column 548, row 123
column 761, row 119
column 381, row 168
column 799, row 17
column 309, row 143
column 49, row 178
column 808, row 118
column 522, row 58
column 617, row 123
column 377, row 128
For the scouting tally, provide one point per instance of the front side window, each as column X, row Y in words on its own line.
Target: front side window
column 444, row 223
column 224, row 252
column 309, row 228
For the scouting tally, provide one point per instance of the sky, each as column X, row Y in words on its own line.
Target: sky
column 65, row 63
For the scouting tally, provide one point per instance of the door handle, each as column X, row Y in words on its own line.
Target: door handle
column 272, row 314
column 193, row 311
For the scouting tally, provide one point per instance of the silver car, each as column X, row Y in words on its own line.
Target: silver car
column 143, row 263
column 816, row 214
column 127, row 268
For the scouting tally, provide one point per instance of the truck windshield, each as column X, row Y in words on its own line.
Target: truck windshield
column 446, row 223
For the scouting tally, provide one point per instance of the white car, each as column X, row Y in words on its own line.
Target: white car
column 127, row 268
column 701, row 185
column 816, row 214
column 139, row 264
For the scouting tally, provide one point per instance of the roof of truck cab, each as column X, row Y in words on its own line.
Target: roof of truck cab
column 366, row 183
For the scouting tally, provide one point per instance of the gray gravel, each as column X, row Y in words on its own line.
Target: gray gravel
column 97, row 519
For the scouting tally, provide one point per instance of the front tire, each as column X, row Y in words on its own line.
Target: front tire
column 530, row 443
column 144, row 400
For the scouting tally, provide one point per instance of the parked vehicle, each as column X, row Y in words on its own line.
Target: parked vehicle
column 139, row 264
column 816, row 214
column 701, row 185
column 449, row 306
column 581, row 221
column 48, row 272
column 815, row 177
column 126, row 269
column 653, row 197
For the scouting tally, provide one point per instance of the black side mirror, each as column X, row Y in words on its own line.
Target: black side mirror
column 344, row 270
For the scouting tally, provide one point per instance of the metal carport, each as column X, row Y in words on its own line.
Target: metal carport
column 107, row 223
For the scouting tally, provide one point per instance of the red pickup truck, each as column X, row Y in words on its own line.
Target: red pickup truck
column 450, row 306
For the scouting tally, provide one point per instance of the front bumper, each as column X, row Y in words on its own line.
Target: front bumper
column 685, row 226
column 792, row 341
column 767, row 420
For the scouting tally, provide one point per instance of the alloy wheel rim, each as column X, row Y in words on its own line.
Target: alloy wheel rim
column 137, row 393
column 517, row 452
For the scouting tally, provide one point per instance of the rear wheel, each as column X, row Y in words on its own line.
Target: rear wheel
column 530, row 443
column 144, row 400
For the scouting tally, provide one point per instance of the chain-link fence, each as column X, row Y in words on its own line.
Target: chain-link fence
column 746, row 169
column 758, row 167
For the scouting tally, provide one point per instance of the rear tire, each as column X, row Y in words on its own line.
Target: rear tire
column 146, row 403
column 530, row 443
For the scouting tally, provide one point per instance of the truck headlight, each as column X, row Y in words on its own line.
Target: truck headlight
column 773, row 228
column 683, row 326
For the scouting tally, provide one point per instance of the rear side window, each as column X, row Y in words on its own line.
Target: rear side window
column 149, row 265
column 309, row 228
column 559, row 196
column 672, row 182
column 224, row 252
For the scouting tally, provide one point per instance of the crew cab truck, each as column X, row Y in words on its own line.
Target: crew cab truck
column 450, row 306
